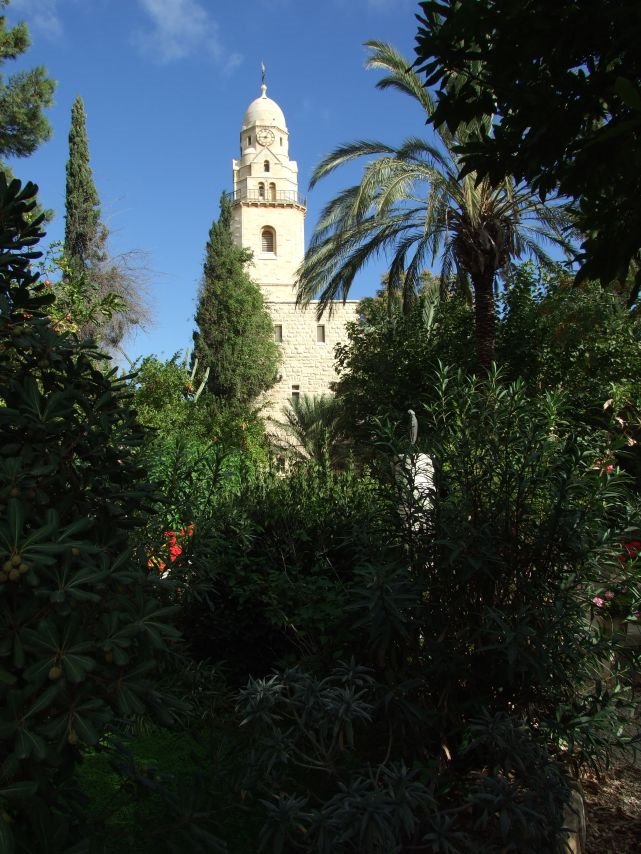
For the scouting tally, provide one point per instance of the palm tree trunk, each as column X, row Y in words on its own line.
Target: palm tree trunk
column 485, row 320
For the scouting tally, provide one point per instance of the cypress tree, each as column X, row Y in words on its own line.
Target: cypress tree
column 85, row 235
column 234, row 336
column 111, row 298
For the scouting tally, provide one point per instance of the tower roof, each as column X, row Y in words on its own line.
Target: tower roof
column 264, row 111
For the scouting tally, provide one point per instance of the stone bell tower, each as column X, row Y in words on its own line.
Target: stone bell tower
column 268, row 211
column 268, row 217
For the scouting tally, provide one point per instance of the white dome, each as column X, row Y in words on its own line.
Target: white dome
column 264, row 111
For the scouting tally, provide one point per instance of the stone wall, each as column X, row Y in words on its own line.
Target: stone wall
column 307, row 366
column 288, row 222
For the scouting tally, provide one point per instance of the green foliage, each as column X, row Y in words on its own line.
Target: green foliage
column 84, row 633
column 165, row 396
column 80, row 304
column 317, row 730
column 198, row 449
column 477, row 676
column 550, row 334
column 312, row 429
column 234, row 336
column 386, row 366
column 99, row 296
column 84, row 234
column 268, row 570
column 563, row 81
column 23, row 96
column 412, row 204
column 157, row 791
column 581, row 339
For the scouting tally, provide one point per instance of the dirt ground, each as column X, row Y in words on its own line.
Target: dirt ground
column 613, row 810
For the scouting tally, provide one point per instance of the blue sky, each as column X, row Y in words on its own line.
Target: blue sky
column 165, row 85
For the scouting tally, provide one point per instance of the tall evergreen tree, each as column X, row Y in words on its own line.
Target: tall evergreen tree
column 234, row 336
column 23, row 96
column 85, row 236
column 107, row 289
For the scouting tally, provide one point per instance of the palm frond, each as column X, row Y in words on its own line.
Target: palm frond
column 344, row 154
column 401, row 77
column 412, row 206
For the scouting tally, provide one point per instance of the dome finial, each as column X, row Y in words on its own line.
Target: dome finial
column 263, row 85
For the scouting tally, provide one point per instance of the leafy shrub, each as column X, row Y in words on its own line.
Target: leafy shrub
column 582, row 339
column 315, row 734
column 269, row 568
column 484, row 682
column 197, row 449
column 83, row 636
column 386, row 366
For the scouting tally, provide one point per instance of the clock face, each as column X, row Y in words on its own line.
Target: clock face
column 265, row 136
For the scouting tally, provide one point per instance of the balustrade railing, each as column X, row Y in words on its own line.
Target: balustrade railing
column 273, row 196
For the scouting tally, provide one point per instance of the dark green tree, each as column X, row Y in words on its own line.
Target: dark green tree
column 84, row 635
column 563, row 81
column 387, row 364
column 234, row 336
column 23, row 96
column 100, row 295
column 85, row 235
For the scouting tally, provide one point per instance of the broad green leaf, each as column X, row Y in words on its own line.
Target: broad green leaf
column 80, row 525
column 45, row 699
column 85, row 729
column 30, row 744
column 76, row 666
column 43, row 533
column 15, row 519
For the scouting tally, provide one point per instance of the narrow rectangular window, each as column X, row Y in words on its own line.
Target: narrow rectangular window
column 320, row 333
column 278, row 333
column 295, row 391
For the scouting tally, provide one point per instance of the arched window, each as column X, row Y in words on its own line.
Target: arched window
column 261, row 190
column 272, row 192
column 268, row 239
column 266, row 166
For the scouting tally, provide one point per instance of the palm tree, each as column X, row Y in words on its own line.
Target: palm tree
column 311, row 430
column 413, row 203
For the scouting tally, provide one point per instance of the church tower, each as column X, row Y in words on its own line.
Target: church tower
column 268, row 217
column 268, row 211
